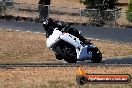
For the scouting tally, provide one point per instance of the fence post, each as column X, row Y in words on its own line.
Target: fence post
column 115, row 18
column 80, row 11
column 17, row 9
column 44, row 9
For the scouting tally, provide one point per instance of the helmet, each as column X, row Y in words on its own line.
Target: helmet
column 47, row 23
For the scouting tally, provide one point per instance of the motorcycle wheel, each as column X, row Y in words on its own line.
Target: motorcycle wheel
column 58, row 57
column 96, row 55
column 69, row 52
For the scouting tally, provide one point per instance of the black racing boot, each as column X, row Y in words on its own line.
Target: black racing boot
column 87, row 41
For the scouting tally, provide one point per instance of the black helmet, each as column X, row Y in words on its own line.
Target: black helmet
column 48, row 23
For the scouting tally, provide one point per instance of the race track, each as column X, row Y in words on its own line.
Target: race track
column 114, row 34
column 122, row 61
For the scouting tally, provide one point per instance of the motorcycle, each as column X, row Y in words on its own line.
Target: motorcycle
column 70, row 48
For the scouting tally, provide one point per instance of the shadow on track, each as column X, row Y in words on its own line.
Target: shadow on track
column 114, row 61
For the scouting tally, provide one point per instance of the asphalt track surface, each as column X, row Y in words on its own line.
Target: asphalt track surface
column 9, row 66
column 120, row 61
column 114, row 34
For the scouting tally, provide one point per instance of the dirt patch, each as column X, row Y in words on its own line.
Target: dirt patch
column 16, row 47
column 60, row 77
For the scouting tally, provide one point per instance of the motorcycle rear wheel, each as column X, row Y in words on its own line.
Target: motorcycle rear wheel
column 69, row 52
column 59, row 57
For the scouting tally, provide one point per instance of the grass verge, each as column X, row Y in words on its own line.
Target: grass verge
column 59, row 77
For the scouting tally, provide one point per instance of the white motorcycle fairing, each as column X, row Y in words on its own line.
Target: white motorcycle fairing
column 71, row 39
column 82, row 51
column 53, row 38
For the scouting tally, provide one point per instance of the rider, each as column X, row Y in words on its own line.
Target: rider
column 49, row 24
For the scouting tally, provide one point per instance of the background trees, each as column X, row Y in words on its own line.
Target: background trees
column 102, row 11
column 100, row 4
column 129, row 12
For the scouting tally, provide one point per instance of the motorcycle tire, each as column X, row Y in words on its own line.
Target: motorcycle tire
column 69, row 52
column 58, row 57
column 96, row 55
